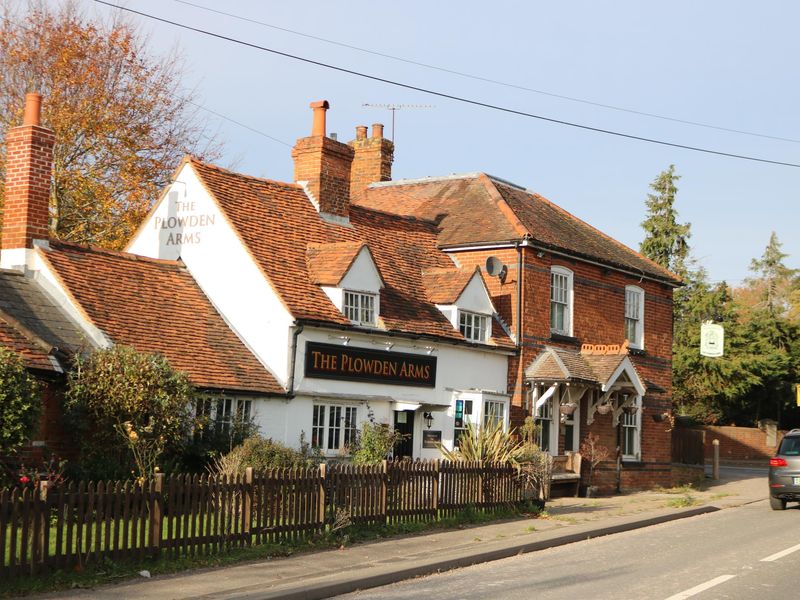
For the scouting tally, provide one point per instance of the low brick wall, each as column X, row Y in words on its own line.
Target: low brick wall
column 741, row 443
column 685, row 474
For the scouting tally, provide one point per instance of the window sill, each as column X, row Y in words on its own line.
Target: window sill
column 560, row 337
column 636, row 351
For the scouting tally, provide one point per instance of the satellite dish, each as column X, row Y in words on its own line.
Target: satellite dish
column 494, row 266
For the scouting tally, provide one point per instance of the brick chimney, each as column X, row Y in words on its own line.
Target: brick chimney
column 29, row 166
column 372, row 161
column 323, row 165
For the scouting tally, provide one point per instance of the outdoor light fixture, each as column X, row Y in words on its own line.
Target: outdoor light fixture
column 345, row 340
column 428, row 419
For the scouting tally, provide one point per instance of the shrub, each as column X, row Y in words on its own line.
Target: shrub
column 375, row 442
column 20, row 404
column 120, row 399
column 261, row 454
column 488, row 444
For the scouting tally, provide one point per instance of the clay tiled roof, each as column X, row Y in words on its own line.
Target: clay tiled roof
column 33, row 355
column 477, row 208
column 156, row 306
column 329, row 263
column 561, row 364
column 444, row 286
column 277, row 222
column 32, row 325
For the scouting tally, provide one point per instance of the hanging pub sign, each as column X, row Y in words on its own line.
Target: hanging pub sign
column 712, row 339
column 329, row 361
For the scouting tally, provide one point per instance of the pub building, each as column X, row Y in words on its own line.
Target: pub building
column 345, row 296
column 280, row 300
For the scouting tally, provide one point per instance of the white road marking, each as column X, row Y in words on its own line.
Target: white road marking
column 781, row 554
column 701, row 588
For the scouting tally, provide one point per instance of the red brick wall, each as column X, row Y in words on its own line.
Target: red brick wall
column 325, row 164
column 740, row 443
column 598, row 318
column 29, row 164
column 372, row 161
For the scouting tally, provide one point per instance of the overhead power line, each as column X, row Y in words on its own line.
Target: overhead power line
column 453, row 97
column 488, row 79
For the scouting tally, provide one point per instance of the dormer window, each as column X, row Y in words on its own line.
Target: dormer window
column 359, row 307
column 473, row 326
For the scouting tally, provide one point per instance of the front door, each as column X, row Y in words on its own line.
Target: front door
column 404, row 423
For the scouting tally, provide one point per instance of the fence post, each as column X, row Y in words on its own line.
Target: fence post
column 715, row 464
column 435, row 490
column 247, row 505
column 156, row 513
column 384, row 491
column 322, row 499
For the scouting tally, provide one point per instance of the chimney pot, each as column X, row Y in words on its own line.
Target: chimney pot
column 318, row 127
column 33, row 109
column 377, row 130
column 361, row 132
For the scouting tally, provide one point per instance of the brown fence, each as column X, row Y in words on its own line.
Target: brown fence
column 687, row 446
column 187, row 515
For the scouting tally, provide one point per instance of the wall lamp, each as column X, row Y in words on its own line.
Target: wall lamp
column 428, row 419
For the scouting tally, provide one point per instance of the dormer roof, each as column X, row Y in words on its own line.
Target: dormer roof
column 328, row 263
column 444, row 286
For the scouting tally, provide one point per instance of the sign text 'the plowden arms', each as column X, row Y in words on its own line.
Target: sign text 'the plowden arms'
column 329, row 361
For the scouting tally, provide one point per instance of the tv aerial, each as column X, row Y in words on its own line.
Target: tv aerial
column 395, row 107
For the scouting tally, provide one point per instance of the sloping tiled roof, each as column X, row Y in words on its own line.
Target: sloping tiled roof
column 478, row 208
column 156, row 306
column 33, row 355
column 444, row 286
column 561, row 364
column 32, row 325
column 276, row 221
column 328, row 263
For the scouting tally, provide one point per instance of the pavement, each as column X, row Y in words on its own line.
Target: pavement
column 329, row 573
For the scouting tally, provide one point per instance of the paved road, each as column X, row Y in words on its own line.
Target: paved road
column 740, row 553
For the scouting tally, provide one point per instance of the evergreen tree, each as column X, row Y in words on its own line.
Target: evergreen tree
column 774, row 279
column 666, row 240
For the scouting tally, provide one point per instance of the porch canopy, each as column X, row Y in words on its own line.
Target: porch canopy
column 604, row 372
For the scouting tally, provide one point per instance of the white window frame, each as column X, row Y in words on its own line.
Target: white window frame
column 631, row 424
column 360, row 307
column 220, row 410
column 334, row 427
column 546, row 418
column 473, row 326
column 634, row 299
column 562, row 297
column 490, row 412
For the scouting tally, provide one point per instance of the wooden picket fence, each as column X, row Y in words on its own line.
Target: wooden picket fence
column 187, row 515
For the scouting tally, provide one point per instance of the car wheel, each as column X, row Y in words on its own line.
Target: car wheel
column 777, row 503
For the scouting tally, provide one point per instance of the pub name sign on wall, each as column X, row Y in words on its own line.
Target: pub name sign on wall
column 329, row 361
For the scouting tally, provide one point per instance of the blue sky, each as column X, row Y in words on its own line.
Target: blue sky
column 731, row 64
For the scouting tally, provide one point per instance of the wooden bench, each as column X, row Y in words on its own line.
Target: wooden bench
column 566, row 472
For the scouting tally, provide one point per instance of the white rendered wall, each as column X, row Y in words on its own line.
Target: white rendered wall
column 362, row 276
column 475, row 298
column 222, row 267
column 457, row 369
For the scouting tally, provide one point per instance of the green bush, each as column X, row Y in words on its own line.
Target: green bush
column 375, row 442
column 123, row 403
column 20, row 404
column 261, row 454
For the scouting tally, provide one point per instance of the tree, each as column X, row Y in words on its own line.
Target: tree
column 774, row 280
column 121, row 118
column 20, row 404
column 710, row 389
column 666, row 240
column 124, row 403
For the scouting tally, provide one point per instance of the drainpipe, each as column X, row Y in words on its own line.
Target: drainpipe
column 298, row 329
column 519, row 294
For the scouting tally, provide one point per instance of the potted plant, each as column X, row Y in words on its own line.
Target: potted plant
column 593, row 453
column 568, row 408
column 604, row 407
